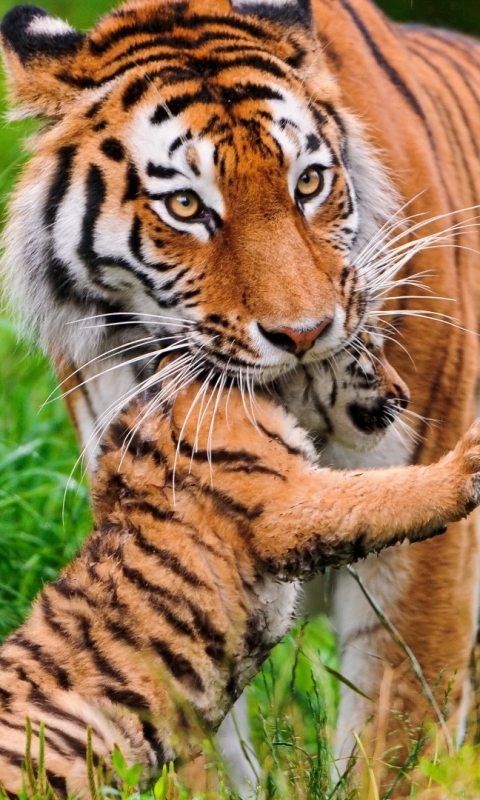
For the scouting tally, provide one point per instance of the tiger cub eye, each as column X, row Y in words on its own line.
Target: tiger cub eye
column 184, row 205
column 309, row 183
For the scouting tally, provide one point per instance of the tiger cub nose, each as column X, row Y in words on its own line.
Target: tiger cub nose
column 297, row 342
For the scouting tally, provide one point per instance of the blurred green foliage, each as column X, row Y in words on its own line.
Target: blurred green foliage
column 464, row 15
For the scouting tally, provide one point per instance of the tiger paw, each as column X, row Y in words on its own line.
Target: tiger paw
column 466, row 458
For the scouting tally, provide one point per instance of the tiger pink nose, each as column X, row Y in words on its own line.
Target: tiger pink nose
column 297, row 342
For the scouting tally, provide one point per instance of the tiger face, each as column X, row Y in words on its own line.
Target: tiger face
column 198, row 187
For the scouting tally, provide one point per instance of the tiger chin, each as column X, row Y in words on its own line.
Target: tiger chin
column 204, row 524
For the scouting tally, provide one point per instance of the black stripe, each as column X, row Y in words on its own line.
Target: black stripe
column 204, row 627
column 67, row 590
column 101, row 663
column 48, row 617
column 159, row 514
column 92, row 83
column 151, row 734
column 180, row 667
column 135, row 91
column 445, row 83
column 5, row 698
column 133, row 186
column 113, row 149
column 61, row 282
column 260, row 62
column 448, row 123
column 13, row 757
column 135, row 239
column 126, row 697
column 467, row 47
column 169, row 560
column 76, row 746
column 122, row 435
column 157, row 171
column 176, row 105
column 61, row 182
column 57, row 783
column 95, row 198
column 121, row 633
column 46, row 661
column 384, row 64
column 161, row 26
column 179, row 43
column 251, row 462
column 232, row 508
column 248, row 91
column 294, row 451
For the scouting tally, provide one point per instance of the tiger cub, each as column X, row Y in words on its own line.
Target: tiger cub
column 203, row 523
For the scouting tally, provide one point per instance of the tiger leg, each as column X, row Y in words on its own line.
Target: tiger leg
column 439, row 632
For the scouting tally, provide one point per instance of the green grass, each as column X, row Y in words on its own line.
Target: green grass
column 37, row 453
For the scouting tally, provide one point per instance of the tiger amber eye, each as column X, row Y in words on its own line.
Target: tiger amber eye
column 184, row 205
column 310, row 182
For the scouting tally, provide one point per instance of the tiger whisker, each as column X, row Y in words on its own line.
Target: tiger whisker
column 175, row 385
column 203, row 411
column 161, row 317
column 151, row 355
column 212, row 421
column 433, row 316
column 248, row 413
column 200, row 392
column 409, row 229
column 399, row 344
column 115, row 408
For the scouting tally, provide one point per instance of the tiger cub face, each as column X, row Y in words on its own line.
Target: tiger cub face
column 199, row 185
column 351, row 399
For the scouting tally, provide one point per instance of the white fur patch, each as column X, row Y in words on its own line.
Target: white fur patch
column 49, row 26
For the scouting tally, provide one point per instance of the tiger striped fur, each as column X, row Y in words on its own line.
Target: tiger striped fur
column 188, row 578
column 227, row 177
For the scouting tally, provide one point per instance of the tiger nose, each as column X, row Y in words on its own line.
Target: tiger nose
column 297, row 342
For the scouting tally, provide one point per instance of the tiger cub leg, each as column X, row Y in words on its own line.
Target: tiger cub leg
column 302, row 517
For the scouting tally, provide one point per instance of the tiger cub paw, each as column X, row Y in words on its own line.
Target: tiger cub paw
column 466, row 457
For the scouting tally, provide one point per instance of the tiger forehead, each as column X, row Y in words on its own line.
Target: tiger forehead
column 209, row 135
column 203, row 32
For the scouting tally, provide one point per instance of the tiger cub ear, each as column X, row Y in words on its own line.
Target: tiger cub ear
column 287, row 12
column 37, row 48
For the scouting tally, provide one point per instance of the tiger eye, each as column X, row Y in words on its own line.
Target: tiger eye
column 184, row 205
column 310, row 183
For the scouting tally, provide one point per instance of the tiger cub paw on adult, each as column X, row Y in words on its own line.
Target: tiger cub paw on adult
column 352, row 398
column 202, row 520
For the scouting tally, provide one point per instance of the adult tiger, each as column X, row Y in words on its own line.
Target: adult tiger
column 205, row 175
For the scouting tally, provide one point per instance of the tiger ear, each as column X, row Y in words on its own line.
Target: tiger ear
column 37, row 48
column 287, row 12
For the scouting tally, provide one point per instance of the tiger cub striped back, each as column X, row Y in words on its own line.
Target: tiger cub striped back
column 203, row 524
